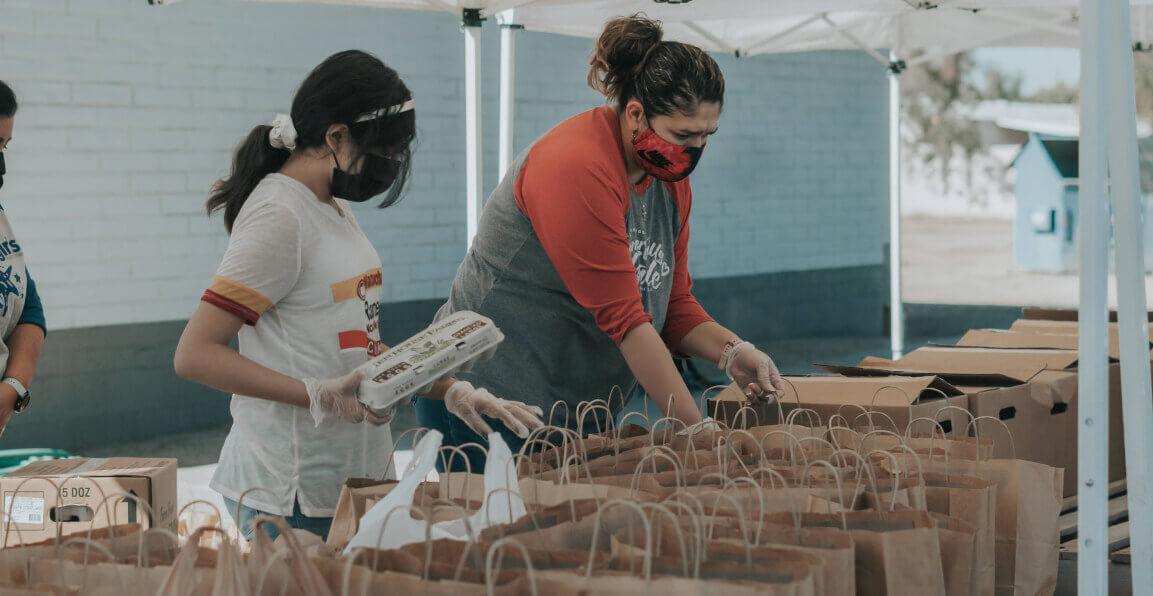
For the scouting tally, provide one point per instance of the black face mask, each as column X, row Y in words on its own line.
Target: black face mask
column 375, row 177
column 2, row 170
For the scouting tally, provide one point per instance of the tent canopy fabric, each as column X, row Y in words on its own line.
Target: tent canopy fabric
column 750, row 27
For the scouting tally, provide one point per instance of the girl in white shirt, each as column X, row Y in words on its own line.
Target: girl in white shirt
column 300, row 286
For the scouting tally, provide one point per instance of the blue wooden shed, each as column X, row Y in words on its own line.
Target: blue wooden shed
column 1046, row 188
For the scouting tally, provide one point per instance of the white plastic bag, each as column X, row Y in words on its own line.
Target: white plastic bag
column 379, row 529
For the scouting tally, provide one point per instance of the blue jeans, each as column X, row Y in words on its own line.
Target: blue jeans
column 316, row 525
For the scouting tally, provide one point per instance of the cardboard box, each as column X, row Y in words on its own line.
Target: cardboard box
column 1007, row 404
column 899, row 397
column 967, row 366
column 1059, row 327
column 67, row 496
column 1062, row 314
column 1033, row 391
column 1022, row 338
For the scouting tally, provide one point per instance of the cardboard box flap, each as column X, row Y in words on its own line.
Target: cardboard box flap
column 1000, row 338
column 1042, row 334
column 950, row 363
column 899, row 391
column 1062, row 327
column 97, row 467
column 1062, row 314
column 880, row 367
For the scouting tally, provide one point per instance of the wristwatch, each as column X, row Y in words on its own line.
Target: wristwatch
column 23, row 395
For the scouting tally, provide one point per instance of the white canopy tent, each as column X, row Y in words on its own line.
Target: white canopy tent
column 1104, row 29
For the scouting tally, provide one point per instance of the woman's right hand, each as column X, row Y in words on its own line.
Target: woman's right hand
column 470, row 404
column 337, row 397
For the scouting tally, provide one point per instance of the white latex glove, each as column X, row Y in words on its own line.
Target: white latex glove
column 755, row 374
column 704, row 426
column 337, row 398
column 469, row 403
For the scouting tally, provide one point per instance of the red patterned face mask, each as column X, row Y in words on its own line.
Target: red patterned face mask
column 664, row 160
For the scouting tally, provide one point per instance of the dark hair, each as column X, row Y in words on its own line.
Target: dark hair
column 346, row 86
column 631, row 62
column 7, row 101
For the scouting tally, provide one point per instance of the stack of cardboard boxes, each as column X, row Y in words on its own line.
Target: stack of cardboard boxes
column 1024, row 377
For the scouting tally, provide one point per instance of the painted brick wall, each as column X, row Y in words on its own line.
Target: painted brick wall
column 129, row 113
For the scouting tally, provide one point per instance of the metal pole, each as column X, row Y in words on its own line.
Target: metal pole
column 472, row 134
column 1132, row 321
column 896, row 307
column 507, row 90
column 1093, row 380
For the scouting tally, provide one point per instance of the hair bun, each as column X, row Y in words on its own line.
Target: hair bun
column 621, row 52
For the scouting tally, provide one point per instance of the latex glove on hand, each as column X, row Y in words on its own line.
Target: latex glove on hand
column 337, row 398
column 708, row 425
column 754, row 373
column 469, row 404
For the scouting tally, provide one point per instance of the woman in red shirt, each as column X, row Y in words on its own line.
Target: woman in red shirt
column 582, row 252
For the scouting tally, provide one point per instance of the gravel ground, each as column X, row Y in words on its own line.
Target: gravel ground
column 954, row 260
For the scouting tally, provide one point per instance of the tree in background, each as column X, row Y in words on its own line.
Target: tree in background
column 937, row 95
column 931, row 94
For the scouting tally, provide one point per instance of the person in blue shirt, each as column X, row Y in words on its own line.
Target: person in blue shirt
column 22, row 323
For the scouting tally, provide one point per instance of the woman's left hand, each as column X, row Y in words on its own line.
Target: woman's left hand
column 756, row 375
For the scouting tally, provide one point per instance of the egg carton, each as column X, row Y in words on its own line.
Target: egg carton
column 445, row 347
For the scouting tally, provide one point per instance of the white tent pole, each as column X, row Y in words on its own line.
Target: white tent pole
column 508, row 30
column 472, row 134
column 1093, row 380
column 1137, row 394
column 896, row 304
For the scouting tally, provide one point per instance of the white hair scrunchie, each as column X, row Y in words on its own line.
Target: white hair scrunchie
column 283, row 133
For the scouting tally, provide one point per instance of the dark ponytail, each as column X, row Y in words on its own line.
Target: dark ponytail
column 343, row 89
column 254, row 159
column 631, row 61
column 7, row 101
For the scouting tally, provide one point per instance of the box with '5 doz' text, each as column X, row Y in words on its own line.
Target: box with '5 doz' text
column 68, row 496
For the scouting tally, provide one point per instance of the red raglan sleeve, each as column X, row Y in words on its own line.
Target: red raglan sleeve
column 684, row 312
column 578, row 213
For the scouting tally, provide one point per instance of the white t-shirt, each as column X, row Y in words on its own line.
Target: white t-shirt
column 307, row 281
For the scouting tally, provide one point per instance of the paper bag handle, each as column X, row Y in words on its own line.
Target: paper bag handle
column 416, row 436
column 792, row 446
column 976, row 434
column 647, row 567
column 805, row 480
column 499, row 545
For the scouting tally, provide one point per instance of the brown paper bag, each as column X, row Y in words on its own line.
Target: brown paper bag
column 897, row 553
column 832, row 546
column 35, row 590
column 676, row 554
column 958, row 545
column 558, row 528
column 363, row 581
column 15, row 560
column 974, row 501
column 229, row 577
column 622, row 583
column 1027, row 535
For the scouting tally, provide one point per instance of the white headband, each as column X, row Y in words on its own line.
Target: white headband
column 407, row 106
column 283, row 133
